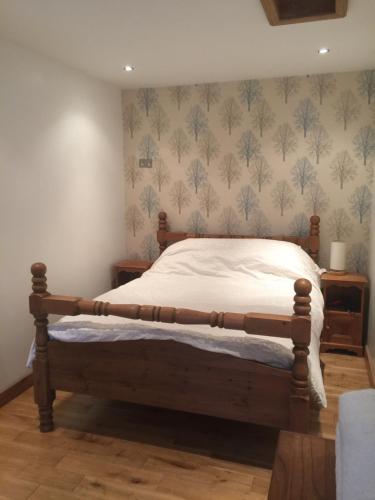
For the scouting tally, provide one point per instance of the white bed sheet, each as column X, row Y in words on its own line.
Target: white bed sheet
column 189, row 276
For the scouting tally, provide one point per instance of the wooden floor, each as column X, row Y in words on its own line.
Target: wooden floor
column 103, row 449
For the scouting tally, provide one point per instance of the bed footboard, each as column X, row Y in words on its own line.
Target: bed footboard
column 201, row 382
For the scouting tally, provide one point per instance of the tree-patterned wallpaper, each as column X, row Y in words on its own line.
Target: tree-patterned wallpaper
column 253, row 157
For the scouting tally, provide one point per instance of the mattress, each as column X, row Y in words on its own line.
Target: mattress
column 214, row 275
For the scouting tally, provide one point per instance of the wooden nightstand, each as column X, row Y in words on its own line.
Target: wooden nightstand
column 128, row 270
column 345, row 310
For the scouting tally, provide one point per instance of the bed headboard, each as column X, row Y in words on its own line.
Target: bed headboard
column 309, row 243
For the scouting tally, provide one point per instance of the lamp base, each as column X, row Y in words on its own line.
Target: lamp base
column 338, row 273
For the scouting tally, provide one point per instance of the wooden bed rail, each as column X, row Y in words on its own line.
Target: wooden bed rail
column 42, row 302
column 296, row 326
column 309, row 243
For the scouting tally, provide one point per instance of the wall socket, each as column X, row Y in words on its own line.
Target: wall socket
column 145, row 163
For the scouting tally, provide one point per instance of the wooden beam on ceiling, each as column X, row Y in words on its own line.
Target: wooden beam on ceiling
column 280, row 12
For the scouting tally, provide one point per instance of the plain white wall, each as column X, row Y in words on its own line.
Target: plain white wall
column 61, row 189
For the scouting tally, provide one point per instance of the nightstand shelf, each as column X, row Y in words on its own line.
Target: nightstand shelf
column 345, row 299
column 128, row 270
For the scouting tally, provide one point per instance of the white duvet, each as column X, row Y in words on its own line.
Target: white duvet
column 229, row 275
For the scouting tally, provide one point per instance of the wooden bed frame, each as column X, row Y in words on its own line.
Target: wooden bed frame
column 174, row 375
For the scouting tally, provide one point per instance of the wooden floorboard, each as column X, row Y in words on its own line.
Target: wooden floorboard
column 108, row 449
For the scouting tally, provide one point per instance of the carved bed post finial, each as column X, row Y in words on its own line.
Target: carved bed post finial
column 302, row 299
column 39, row 280
column 43, row 394
column 301, row 333
column 162, row 221
column 314, row 225
column 314, row 237
column 162, row 230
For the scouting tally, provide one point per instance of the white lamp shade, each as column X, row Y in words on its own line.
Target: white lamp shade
column 338, row 256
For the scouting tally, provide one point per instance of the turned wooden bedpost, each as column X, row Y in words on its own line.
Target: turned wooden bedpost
column 43, row 394
column 314, row 237
column 162, row 230
column 301, row 334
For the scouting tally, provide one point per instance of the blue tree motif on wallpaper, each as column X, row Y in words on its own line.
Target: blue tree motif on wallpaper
column 248, row 146
column 247, row 201
column 132, row 172
column 364, row 144
column 132, row 119
column 300, row 225
column 196, row 121
column 357, row 258
column 196, row 174
column 263, row 117
column 316, row 199
column 179, row 144
column 229, row 169
column 148, row 148
column 343, row 168
column 209, row 94
column 283, row 196
column 249, row 91
column 208, row 147
column 208, row 199
column 229, row 221
column 370, row 172
column 366, row 231
column 150, row 248
column 260, row 172
column 147, row 99
column 340, row 226
column 287, row 87
column 180, row 196
column 196, row 222
column 347, row 108
column 360, row 202
column 159, row 121
column 230, row 114
column 319, row 143
column 306, row 116
column 134, row 219
column 149, row 200
column 285, row 140
column 259, row 225
column 160, row 175
column 366, row 84
column 179, row 95
column 303, row 173
column 322, row 85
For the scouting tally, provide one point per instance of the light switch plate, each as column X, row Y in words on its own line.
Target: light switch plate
column 145, row 163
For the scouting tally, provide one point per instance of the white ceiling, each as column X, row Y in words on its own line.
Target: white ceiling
column 186, row 41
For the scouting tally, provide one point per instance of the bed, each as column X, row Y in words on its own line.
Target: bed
column 251, row 364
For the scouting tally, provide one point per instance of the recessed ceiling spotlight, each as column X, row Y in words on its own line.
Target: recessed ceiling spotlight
column 323, row 50
column 129, row 67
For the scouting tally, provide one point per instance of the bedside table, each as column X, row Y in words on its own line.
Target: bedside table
column 128, row 270
column 345, row 310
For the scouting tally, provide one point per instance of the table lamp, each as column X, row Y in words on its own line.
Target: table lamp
column 337, row 263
